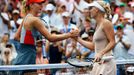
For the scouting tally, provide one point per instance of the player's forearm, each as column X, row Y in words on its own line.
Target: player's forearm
column 108, row 48
column 60, row 37
column 87, row 44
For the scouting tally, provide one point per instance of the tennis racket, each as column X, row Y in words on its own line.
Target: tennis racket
column 86, row 62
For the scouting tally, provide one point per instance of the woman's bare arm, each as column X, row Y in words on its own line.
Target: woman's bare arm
column 87, row 44
column 42, row 29
column 108, row 29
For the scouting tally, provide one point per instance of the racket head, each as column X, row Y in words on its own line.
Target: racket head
column 80, row 63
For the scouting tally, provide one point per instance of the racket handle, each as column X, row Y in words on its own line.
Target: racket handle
column 107, row 58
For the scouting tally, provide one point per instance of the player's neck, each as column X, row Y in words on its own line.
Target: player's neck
column 32, row 13
column 99, row 21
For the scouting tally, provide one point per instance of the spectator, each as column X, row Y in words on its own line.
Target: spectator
column 4, row 41
column 121, row 9
column 5, row 44
column 121, row 49
column 14, row 26
column 54, row 50
column 84, row 51
column 73, row 49
column 130, row 34
column 4, row 23
column 83, row 18
column 90, row 37
column 7, row 59
column 87, row 26
column 79, row 6
column 49, row 17
column 7, row 56
column 68, row 4
column 66, row 27
column 58, row 15
column 40, row 59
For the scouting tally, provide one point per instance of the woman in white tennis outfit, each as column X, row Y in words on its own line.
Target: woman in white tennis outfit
column 103, row 39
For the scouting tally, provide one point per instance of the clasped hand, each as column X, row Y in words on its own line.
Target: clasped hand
column 74, row 33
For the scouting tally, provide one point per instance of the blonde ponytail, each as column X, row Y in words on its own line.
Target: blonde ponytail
column 108, row 10
column 25, row 6
column 106, row 7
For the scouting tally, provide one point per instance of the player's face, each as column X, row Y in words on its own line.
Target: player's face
column 93, row 12
column 37, row 8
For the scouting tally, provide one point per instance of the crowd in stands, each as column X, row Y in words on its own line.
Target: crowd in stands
column 60, row 16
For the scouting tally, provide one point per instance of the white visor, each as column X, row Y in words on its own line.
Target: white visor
column 97, row 5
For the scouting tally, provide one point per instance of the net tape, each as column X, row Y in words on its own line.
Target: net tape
column 51, row 66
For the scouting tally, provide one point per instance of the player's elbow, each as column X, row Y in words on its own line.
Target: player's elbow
column 91, row 47
column 52, row 40
column 113, row 43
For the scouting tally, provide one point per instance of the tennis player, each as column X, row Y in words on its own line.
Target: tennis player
column 27, row 33
column 103, row 39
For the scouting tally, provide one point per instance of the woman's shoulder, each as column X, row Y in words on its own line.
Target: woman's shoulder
column 33, row 20
column 107, row 23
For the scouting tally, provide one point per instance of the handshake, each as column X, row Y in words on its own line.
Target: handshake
column 74, row 33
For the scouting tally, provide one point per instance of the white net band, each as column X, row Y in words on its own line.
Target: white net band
column 51, row 66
